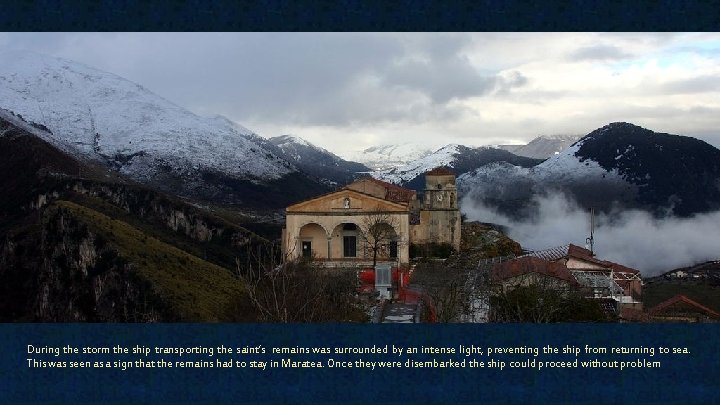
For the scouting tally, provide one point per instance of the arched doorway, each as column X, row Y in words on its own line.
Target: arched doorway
column 346, row 241
column 312, row 241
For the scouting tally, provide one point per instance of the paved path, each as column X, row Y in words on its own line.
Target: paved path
column 398, row 312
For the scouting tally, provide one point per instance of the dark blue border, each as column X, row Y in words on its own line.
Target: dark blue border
column 692, row 378
column 356, row 15
column 695, row 379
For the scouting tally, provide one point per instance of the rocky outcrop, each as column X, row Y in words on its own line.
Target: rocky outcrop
column 152, row 206
column 66, row 273
column 157, row 211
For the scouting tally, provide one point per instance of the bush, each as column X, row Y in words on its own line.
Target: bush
column 300, row 291
column 539, row 304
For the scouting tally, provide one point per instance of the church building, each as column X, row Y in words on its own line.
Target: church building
column 371, row 221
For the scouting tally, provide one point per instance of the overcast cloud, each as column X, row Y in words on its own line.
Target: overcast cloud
column 598, row 52
column 633, row 238
column 429, row 88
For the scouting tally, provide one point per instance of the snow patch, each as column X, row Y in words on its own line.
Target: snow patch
column 385, row 157
column 441, row 157
column 101, row 115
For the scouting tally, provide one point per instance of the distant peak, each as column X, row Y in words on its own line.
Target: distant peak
column 614, row 125
column 452, row 147
column 287, row 138
column 557, row 137
column 617, row 128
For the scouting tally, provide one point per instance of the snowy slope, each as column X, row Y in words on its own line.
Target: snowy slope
column 403, row 174
column 232, row 125
column 563, row 167
column 619, row 163
column 543, row 146
column 567, row 166
column 316, row 161
column 559, row 170
column 290, row 141
column 385, row 157
column 107, row 118
column 459, row 158
column 296, row 146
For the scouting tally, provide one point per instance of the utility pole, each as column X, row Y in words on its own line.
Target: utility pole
column 589, row 242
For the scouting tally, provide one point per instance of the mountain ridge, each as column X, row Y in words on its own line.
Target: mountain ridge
column 387, row 156
column 317, row 161
column 99, row 116
column 543, row 146
column 461, row 159
column 617, row 163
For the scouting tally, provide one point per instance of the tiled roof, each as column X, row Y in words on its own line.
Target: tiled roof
column 292, row 207
column 394, row 192
column 551, row 254
column 623, row 271
column 526, row 265
column 580, row 252
column 681, row 299
column 570, row 250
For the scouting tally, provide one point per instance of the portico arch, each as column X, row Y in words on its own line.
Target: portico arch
column 312, row 241
column 346, row 241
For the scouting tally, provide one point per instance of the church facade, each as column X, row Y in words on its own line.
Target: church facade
column 370, row 221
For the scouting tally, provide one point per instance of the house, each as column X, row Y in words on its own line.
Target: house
column 680, row 274
column 528, row 270
column 371, row 220
column 681, row 309
column 678, row 309
column 601, row 278
column 576, row 267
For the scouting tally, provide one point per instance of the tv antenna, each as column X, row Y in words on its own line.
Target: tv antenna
column 589, row 242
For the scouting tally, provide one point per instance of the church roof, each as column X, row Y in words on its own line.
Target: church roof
column 303, row 206
column 393, row 191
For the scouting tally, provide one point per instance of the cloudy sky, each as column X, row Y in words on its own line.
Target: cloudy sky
column 347, row 91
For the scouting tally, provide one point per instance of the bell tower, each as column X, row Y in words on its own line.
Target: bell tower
column 440, row 191
column 440, row 214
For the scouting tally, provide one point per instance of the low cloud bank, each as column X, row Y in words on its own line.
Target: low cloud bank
column 630, row 237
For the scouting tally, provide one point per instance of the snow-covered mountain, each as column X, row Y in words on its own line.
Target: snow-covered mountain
column 385, row 157
column 460, row 158
column 317, row 161
column 543, row 146
column 619, row 163
column 410, row 170
column 103, row 117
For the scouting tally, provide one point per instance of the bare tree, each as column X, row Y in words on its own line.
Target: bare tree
column 457, row 291
column 378, row 233
column 299, row 291
column 279, row 295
